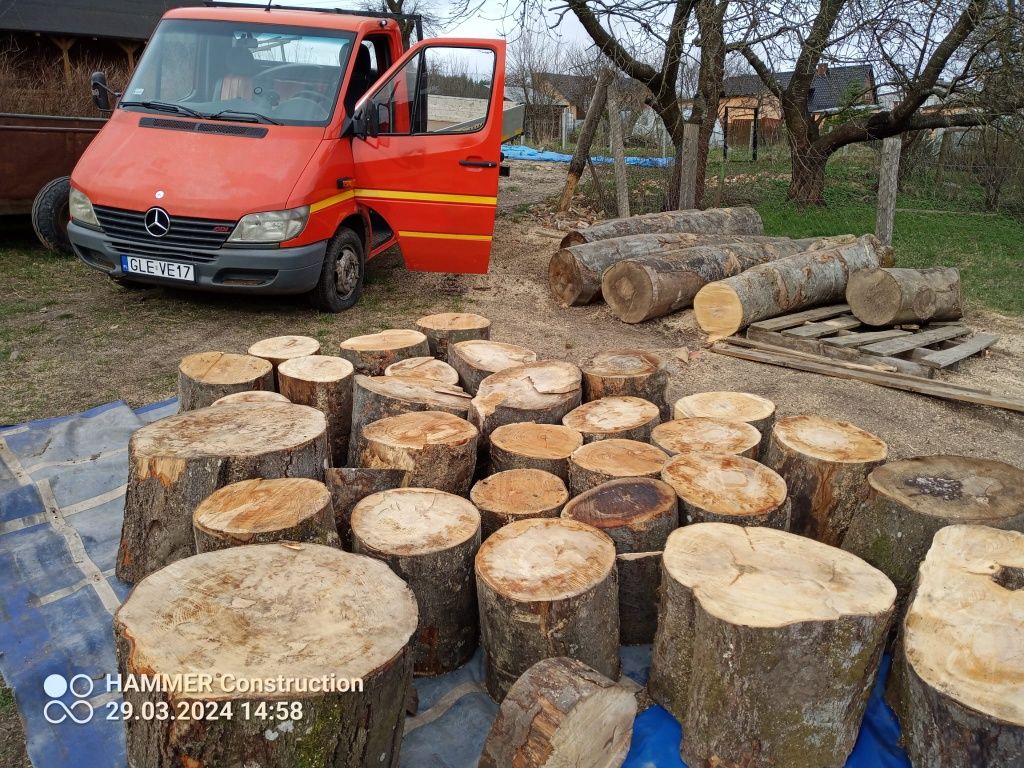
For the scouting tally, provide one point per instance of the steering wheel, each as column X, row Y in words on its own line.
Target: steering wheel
column 314, row 96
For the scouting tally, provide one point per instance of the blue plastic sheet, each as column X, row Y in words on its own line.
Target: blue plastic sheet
column 520, row 152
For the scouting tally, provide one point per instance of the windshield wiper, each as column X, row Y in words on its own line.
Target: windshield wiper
column 236, row 114
column 164, row 106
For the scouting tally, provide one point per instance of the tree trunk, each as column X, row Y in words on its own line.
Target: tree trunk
column 714, row 221
column 807, row 179
column 372, row 353
column 605, row 460
column 424, row 368
column 546, row 588
column 241, row 615
column 898, row 296
column 474, row 361
column 767, row 645
column 542, row 392
column 755, row 410
column 719, row 488
column 626, row 372
column 527, row 445
column 517, row 494
column 350, row 485
column 175, row 463
column 444, row 329
column 701, row 433
column 586, row 138
column 253, row 396
column 324, row 383
column 626, row 417
column 206, row 377
column 280, row 348
column 429, row 538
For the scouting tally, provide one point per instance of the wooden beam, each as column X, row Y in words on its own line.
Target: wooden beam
column 824, row 328
column 868, row 337
column 799, row 318
column 945, row 357
column 921, row 339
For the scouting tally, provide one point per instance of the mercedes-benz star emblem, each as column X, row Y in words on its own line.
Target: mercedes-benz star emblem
column 158, row 222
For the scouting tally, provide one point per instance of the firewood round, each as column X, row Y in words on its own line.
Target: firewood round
column 350, row 485
column 517, row 494
column 527, row 445
column 626, row 417
column 477, row 359
column 254, row 396
column 447, row 328
column 883, row 297
column 632, row 372
column 542, row 392
column 372, row 353
column 596, row 463
column 207, row 376
column 707, row 435
column 281, row 348
column 757, row 411
column 424, row 368
column 325, row 383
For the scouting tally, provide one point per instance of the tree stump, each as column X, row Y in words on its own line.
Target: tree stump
column 325, row 383
column 447, row 328
column 526, row 445
column 908, row 501
column 434, row 449
column 825, row 464
column 956, row 682
column 767, row 645
column 561, row 713
column 625, row 417
column 542, row 392
column 638, row 514
column 719, row 488
column 261, row 511
column 254, row 396
column 260, row 616
column 207, row 376
column 372, row 353
column 707, row 435
column 605, row 460
column 280, row 348
column 546, row 587
column 429, row 538
column 476, row 360
column 424, row 368
column 175, row 463
column 757, row 411
column 898, row 296
column 350, row 485
column 633, row 372
column 517, row 494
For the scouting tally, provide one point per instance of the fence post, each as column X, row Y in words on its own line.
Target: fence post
column 688, row 175
column 888, row 179
column 618, row 150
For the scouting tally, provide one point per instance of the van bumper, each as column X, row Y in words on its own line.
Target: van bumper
column 248, row 270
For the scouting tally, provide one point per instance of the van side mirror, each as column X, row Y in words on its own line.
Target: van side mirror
column 366, row 122
column 100, row 91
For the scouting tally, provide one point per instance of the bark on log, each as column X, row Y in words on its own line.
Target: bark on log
column 546, row 587
column 325, row 383
column 621, row 372
column 517, row 494
column 825, row 464
column 424, row 368
column 270, row 612
column 718, row 488
column 561, row 713
column 596, row 463
column 956, row 676
column 786, row 285
column 208, row 376
column 447, row 328
column 898, row 296
column 350, row 485
column 429, row 538
column 476, row 360
column 280, row 348
column 435, row 449
column 702, row 434
column 254, row 396
column 542, row 392
column 261, row 511
column 175, row 463
column 767, row 645
column 908, row 501
column 714, row 221
column 755, row 410
column 527, row 445
column 639, row 582
column 372, row 353
column 626, row 417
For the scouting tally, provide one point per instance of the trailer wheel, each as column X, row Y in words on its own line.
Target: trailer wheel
column 50, row 215
column 341, row 281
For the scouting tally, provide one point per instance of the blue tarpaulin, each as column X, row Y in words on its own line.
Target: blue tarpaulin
column 520, row 152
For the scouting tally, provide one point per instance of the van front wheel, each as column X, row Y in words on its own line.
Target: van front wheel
column 341, row 280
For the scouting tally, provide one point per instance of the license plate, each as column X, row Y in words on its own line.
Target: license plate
column 170, row 270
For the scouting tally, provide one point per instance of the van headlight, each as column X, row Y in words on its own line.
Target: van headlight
column 270, row 226
column 81, row 210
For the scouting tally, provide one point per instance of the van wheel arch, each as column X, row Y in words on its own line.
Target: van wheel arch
column 341, row 278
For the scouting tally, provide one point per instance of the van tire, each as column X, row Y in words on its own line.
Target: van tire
column 341, row 279
column 50, row 215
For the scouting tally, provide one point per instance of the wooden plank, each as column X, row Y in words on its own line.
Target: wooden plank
column 799, row 318
column 824, row 328
column 944, row 357
column 868, row 337
column 922, row 339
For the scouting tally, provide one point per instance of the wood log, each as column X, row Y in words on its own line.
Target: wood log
column 526, row 445
column 657, row 284
column 626, row 417
column 596, row 463
column 542, row 392
column 639, row 582
column 325, row 383
column 280, row 348
column 259, row 616
column 956, row 682
column 632, row 372
column 757, row 411
column 350, row 485
column 517, row 494
column 476, row 360
column 253, row 396
column 901, row 296
column 767, row 645
column 561, row 713
column 825, row 464
column 720, row 488
column 207, row 376
column 714, row 221
column 546, row 587
column 447, row 328
column 372, row 353
column 176, row 462
column 908, row 501
column 707, row 435
column 424, row 368
column 786, row 285
column 429, row 538
column 435, row 449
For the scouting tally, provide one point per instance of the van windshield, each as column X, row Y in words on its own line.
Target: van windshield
column 243, row 72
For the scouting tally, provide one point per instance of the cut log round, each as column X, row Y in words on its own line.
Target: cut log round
column 786, row 285
column 908, row 501
column 720, row 488
column 714, row 221
column 261, row 511
column 757, row 411
column 707, row 435
column 259, row 618
column 324, row 383
column 350, row 485
column 476, row 360
column 825, row 464
column 424, row 368
column 280, row 348
column 254, row 396
column 435, row 449
column 633, row 372
column 429, row 538
column 517, row 494
column 372, row 353
column 207, row 376
column 626, row 417
column 561, row 713
column 897, row 296
column 175, row 463
column 447, row 328
column 956, row 683
column 546, row 587
column 767, row 645
column 526, row 445
column 542, row 392
column 605, row 460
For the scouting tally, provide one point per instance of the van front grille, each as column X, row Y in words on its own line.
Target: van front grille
column 183, row 233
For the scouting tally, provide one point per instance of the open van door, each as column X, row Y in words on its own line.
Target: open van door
column 427, row 151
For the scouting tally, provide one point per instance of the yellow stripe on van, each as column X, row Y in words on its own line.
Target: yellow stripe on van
column 429, row 197
column 333, row 200
column 445, row 236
